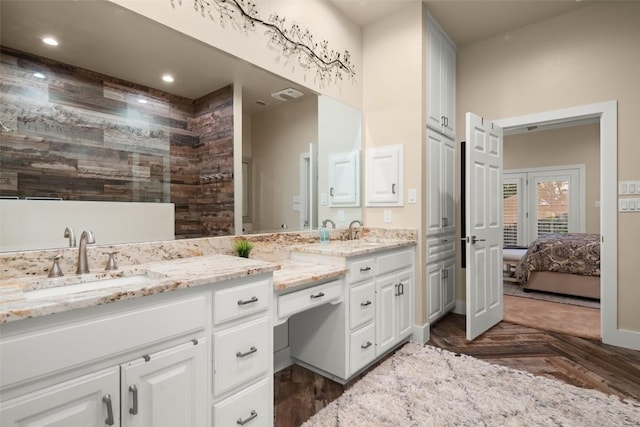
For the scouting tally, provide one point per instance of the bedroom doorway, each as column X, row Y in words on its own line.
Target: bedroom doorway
column 606, row 114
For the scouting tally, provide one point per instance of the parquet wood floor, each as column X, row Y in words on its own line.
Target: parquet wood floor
column 300, row 393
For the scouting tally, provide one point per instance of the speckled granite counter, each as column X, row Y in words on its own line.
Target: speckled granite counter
column 351, row 248
column 179, row 264
column 293, row 274
column 167, row 276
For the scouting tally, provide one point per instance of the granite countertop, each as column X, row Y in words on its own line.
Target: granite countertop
column 293, row 274
column 351, row 248
column 162, row 277
column 87, row 290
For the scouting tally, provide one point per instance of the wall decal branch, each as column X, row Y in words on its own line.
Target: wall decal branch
column 293, row 41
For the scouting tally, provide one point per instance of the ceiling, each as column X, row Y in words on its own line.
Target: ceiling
column 103, row 37
column 467, row 21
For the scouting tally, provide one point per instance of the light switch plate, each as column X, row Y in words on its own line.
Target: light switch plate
column 629, row 205
column 412, row 195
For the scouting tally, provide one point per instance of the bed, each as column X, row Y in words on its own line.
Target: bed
column 562, row 263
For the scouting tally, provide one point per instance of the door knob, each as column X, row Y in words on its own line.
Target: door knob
column 475, row 240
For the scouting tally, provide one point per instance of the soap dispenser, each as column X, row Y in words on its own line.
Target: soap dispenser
column 324, row 234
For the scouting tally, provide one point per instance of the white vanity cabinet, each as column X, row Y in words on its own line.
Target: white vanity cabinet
column 144, row 362
column 243, row 354
column 441, row 285
column 376, row 314
column 383, row 176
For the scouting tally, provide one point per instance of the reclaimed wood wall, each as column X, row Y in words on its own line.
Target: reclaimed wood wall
column 79, row 135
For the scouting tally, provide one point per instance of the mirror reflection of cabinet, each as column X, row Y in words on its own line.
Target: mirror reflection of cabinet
column 344, row 179
column 384, row 176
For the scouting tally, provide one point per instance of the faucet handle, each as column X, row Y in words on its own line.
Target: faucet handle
column 55, row 270
column 111, row 262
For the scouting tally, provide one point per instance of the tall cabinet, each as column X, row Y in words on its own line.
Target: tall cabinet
column 441, row 162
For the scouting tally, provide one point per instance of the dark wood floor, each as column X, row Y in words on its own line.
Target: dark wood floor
column 300, row 393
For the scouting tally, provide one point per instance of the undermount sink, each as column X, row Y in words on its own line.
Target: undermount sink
column 93, row 283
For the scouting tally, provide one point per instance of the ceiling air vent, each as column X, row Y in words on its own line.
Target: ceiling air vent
column 287, row 94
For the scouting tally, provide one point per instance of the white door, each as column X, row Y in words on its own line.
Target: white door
column 166, row 389
column 483, row 198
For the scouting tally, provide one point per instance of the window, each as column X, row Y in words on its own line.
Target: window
column 542, row 201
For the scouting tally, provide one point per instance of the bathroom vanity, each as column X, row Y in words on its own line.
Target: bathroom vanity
column 189, row 341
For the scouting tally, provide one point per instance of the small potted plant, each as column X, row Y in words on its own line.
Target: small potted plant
column 243, row 247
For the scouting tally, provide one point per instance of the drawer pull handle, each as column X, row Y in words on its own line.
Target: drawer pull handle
column 133, row 389
column 248, row 301
column 252, row 350
column 242, row 422
column 107, row 399
column 365, row 269
column 318, row 295
column 366, row 346
column 364, row 304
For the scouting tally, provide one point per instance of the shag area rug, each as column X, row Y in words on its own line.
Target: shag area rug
column 427, row 386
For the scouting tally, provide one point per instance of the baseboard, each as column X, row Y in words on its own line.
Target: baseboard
column 421, row 334
column 282, row 359
column 623, row 338
column 461, row 307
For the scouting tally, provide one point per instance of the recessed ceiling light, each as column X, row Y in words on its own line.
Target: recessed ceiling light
column 39, row 75
column 167, row 78
column 50, row 41
column 142, row 101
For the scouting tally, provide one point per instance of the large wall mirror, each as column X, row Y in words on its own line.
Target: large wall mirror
column 91, row 119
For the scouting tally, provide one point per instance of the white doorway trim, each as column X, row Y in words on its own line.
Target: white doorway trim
column 607, row 114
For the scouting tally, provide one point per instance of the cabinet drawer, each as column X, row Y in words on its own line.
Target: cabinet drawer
column 250, row 407
column 304, row 299
column 362, row 304
column 394, row 261
column 362, row 349
column 240, row 300
column 241, row 354
column 363, row 269
column 440, row 247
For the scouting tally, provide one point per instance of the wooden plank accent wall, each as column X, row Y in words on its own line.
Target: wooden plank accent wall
column 80, row 135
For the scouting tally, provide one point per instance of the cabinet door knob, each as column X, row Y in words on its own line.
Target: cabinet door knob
column 242, row 422
column 107, row 399
column 133, row 389
column 367, row 345
column 331, row 191
column 318, row 295
column 364, row 304
column 393, row 189
column 365, row 269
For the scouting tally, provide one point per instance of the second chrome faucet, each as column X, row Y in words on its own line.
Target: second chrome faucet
column 86, row 238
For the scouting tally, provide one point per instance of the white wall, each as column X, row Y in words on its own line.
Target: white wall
column 40, row 224
column 319, row 16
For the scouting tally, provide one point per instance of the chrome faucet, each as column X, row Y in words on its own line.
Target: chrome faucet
column 350, row 234
column 68, row 232
column 324, row 223
column 85, row 239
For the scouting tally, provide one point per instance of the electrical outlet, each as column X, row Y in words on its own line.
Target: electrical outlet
column 387, row 216
column 323, row 199
column 341, row 215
